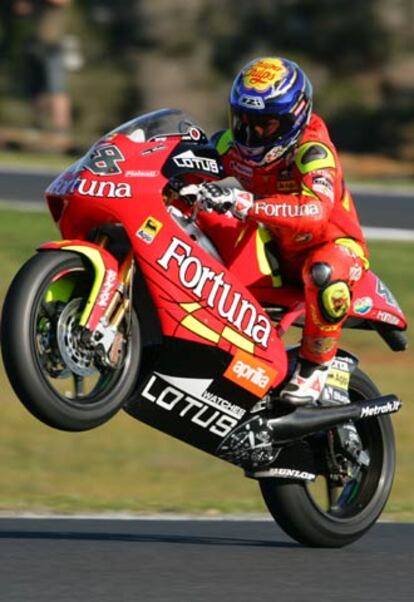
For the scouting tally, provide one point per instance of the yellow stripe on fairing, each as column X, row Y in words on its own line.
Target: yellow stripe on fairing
column 237, row 339
column 190, row 307
column 262, row 237
column 95, row 258
column 200, row 329
column 194, row 325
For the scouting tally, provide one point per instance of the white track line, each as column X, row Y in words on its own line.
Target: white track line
column 124, row 516
column 388, row 234
column 371, row 233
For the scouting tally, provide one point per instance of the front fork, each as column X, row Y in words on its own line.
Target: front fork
column 110, row 299
column 106, row 337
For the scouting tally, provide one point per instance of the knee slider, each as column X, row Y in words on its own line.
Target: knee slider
column 335, row 301
column 320, row 274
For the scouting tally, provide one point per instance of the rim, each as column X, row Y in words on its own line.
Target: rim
column 351, row 481
column 70, row 370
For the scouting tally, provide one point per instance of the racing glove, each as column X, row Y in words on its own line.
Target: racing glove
column 221, row 199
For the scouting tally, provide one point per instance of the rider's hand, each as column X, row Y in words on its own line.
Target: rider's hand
column 221, row 199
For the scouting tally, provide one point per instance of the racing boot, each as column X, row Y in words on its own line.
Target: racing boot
column 306, row 384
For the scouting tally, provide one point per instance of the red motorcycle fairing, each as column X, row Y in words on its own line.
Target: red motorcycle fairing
column 373, row 301
column 196, row 298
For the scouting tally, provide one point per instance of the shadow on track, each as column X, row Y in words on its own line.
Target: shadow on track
column 138, row 538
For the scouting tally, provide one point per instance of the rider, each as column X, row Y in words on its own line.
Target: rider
column 282, row 155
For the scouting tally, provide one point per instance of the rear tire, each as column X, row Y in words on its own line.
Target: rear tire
column 36, row 374
column 299, row 515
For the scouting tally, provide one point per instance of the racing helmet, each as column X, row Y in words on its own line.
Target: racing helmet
column 270, row 105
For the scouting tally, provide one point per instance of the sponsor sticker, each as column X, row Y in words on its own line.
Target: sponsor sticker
column 286, row 210
column 388, row 318
column 201, row 413
column 212, row 287
column 250, row 373
column 338, row 378
column 284, row 473
column 336, row 395
column 363, row 305
column 192, row 161
column 153, row 149
column 252, row 102
column 385, row 408
column 287, row 186
column 324, row 186
column 104, row 160
column 140, row 173
column 264, row 73
column 108, row 288
column 149, row 230
column 93, row 188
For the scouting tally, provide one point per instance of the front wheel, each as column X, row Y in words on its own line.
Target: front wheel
column 349, row 495
column 53, row 373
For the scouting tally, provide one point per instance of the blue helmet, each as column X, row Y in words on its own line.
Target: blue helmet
column 270, row 105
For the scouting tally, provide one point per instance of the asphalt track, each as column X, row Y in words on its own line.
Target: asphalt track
column 377, row 207
column 45, row 560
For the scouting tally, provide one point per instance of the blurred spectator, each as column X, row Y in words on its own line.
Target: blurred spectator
column 45, row 61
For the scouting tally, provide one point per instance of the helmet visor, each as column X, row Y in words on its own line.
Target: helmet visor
column 255, row 130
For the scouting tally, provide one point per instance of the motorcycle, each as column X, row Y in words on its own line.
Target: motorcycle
column 137, row 309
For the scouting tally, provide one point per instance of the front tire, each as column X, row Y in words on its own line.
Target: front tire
column 65, row 390
column 347, row 517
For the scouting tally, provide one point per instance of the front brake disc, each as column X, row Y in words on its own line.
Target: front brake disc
column 78, row 358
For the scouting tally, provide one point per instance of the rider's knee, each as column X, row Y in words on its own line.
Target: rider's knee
column 320, row 274
column 334, row 296
column 334, row 301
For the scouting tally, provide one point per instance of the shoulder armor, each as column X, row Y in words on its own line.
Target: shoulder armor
column 314, row 155
column 222, row 140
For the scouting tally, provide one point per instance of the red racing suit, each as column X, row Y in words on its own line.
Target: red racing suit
column 303, row 202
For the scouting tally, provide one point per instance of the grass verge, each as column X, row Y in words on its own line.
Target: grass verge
column 126, row 466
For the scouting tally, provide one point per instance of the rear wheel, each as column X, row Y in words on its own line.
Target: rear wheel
column 58, row 378
column 350, row 493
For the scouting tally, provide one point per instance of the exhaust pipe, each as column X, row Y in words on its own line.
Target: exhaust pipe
column 306, row 421
column 257, row 441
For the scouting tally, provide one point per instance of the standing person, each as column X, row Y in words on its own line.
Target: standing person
column 281, row 152
column 45, row 61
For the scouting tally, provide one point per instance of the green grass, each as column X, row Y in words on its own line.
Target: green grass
column 126, row 466
column 47, row 161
